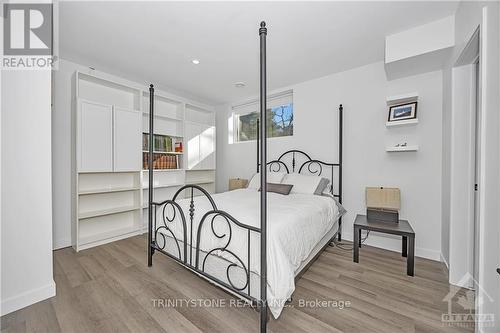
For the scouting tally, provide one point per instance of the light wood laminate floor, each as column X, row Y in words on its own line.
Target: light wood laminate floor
column 110, row 289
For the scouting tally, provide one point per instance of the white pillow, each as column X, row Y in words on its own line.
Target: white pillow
column 272, row 177
column 306, row 184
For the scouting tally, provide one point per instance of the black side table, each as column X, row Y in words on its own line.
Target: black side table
column 403, row 228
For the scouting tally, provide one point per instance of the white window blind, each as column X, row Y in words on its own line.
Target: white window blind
column 273, row 100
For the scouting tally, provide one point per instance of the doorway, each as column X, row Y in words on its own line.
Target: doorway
column 477, row 168
column 465, row 166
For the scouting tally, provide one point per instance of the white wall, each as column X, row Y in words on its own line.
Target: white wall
column 26, row 249
column 426, row 38
column 61, row 158
column 363, row 93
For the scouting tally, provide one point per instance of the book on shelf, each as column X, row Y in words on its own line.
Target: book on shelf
column 160, row 161
column 168, row 143
column 161, row 143
column 145, row 141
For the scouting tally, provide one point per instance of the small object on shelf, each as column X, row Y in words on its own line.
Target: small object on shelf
column 178, row 147
column 237, row 183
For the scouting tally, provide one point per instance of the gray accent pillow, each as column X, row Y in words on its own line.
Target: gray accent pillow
column 279, row 188
column 323, row 183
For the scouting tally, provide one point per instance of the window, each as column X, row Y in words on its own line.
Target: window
column 279, row 118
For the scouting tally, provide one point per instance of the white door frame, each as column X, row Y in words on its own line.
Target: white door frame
column 463, row 228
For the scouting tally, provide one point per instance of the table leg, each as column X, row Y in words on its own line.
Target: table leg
column 355, row 243
column 359, row 236
column 404, row 250
column 410, row 261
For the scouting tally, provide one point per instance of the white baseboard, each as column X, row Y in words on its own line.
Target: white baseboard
column 443, row 259
column 29, row 297
column 60, row 243
column 393, row 243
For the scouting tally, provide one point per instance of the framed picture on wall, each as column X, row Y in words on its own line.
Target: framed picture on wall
column 403, row 112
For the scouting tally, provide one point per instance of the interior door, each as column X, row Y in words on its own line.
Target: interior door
column 127, row 139
column 94, row 137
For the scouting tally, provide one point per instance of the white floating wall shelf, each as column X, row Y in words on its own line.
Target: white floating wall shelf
column 401, row 122
column 401, row 149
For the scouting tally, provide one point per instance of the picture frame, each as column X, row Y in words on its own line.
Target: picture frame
column 402, row 112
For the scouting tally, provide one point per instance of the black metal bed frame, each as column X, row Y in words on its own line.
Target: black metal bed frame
column 157, row 241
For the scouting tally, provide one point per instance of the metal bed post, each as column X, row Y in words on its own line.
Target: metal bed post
column 150, row 176
column 263, row 180
column 341, row 119
column 258, row 143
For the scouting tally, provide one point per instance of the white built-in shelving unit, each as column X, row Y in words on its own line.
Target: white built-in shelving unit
column 110, row 188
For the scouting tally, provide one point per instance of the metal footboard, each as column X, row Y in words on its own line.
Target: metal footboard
column 189, row 243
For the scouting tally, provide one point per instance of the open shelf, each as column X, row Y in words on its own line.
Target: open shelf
column 201, row 181
column 102, row 236
column 401, row 149
column 198, row 115
column 165, row 107
column 164, row 170
column 107, row 181
column 105, row 236
column 401, row 122
column 163, row 185
column 104, row 212
column 146, row 114
column 108, row 190
column 164, row 152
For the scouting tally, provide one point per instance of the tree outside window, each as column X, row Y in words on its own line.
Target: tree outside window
column 279, row 123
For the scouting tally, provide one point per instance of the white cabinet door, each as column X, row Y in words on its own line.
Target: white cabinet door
column 95, row 137
column 127, row 140
column 207, row 147
column 192, row 136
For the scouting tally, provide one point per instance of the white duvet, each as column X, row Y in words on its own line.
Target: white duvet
column 296, row 223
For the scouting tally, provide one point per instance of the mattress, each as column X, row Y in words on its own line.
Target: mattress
column 299, row 225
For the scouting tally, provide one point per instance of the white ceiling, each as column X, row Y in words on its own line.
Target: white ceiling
column 156, row 41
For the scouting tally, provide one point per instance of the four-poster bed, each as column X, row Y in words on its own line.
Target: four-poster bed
column 223, row 240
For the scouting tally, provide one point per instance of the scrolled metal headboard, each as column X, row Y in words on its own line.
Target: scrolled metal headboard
column 312, row 166
column 299, row 161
